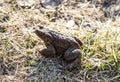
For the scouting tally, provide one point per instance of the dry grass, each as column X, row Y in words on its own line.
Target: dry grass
column 20, row 60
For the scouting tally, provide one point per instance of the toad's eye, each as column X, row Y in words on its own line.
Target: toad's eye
column 41, row 27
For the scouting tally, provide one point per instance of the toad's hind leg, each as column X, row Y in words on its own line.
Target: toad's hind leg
column 72, row 58
column 71, row 54
column 49, row 51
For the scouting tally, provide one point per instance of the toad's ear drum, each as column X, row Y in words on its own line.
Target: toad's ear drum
column 79, row 41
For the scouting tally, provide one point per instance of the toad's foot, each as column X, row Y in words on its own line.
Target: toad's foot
column 71, row 65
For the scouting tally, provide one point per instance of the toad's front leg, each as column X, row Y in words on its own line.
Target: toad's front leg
column 72, row 58
column 49, row 51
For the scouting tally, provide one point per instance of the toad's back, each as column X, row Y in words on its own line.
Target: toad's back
column 62, row 42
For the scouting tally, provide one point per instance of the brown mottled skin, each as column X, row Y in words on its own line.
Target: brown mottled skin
column 60, row 44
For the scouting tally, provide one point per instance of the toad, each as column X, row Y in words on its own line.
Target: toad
column 61, row 44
